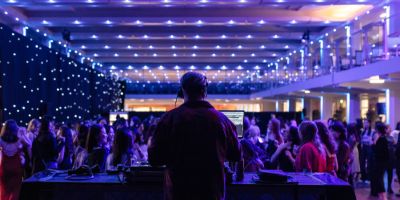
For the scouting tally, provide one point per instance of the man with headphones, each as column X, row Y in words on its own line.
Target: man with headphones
column 193, row 141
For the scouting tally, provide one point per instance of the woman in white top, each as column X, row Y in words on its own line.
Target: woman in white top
column 33, row 129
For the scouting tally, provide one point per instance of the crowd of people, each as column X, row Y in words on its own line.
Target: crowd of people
column 45, row 145
column 353, row 152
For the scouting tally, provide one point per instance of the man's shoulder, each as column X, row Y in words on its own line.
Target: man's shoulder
column 168, row 114
column 207, row 109
column 219, row 115
column 209, row 112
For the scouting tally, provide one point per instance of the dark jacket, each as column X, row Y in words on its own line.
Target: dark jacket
column 193, row 141
column 381, row 152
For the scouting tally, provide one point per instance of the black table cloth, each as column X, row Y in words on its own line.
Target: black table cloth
column 109, row 187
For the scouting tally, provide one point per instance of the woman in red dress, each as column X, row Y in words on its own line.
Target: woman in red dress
column 11, row 162
column 311, row 156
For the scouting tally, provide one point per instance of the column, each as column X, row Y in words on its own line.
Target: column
column 349, row 52
column 326, row 107
column 324, row 55
column 392, row 107
column 268, row 106
column 278, row 106
column 353, row 107
column 292, row 105
column 307, row 110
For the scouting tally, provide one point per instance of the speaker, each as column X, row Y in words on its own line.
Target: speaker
column 66, row 35
column 381, row 108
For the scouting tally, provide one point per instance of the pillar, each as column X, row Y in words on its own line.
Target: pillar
column 392, row 107
column 307, row 110
column 268, row 106
column 292, row 105
column 326, row 107
column 353, row 107
column 278, row 106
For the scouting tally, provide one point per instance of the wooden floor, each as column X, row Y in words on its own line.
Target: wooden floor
column 363, row 191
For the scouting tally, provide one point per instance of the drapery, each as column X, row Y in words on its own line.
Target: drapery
column 36, row 80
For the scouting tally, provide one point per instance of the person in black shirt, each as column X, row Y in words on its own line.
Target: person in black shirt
column 193, row 141
column 381, row 161
column 44, row 147
column 285, row 155
column 392, row 158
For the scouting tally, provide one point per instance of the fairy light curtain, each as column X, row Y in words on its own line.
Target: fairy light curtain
column 36, row 80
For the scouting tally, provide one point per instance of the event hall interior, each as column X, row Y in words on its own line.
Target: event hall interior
column 99, row 99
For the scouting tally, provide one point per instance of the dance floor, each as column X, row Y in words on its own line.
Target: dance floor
column 363, row 190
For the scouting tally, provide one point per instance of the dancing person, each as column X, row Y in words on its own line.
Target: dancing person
column 366, row 150
column 80, row 152
column 31, row 133
column 353, row 139
column 246, row 126
column 381, row 161
column 95, row 147
column 122, row 149
column 329, row 144
column 252, row 154
column 397, row 153
column 193, row 141
column 33, row 129
column 110, row 136
column 311, row 156
column 65, row 157
column 343, row 151
column 273, row 140
column 392, row 158
column 286, row 153
column 44, row 147
column 11, row 161
column 139, row 148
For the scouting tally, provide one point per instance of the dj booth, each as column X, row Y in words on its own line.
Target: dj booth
column 301, row 186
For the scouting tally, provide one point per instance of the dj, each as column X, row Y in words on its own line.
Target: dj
column 193, row 141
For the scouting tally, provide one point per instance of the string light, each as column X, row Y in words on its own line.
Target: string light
column 78, row 86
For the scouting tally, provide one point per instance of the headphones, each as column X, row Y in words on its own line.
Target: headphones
column 180, row 93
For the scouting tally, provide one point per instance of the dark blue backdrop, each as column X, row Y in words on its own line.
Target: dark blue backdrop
column 36, row 80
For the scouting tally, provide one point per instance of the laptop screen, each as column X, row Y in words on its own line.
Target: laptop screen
column 237, row 118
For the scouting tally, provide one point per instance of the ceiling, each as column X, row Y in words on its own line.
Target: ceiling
column 169, row 35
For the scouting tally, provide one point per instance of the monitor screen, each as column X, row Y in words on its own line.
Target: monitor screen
column 113, row 116
column 237, row 118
